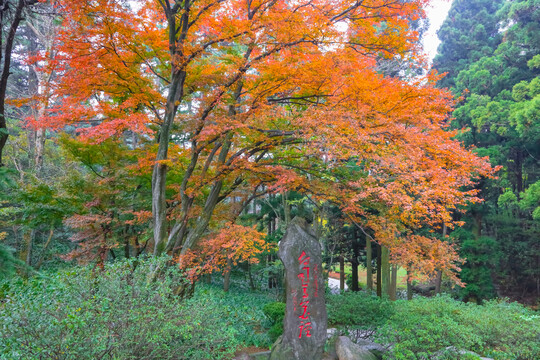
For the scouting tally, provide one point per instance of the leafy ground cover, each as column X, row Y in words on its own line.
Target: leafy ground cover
column 119, row 314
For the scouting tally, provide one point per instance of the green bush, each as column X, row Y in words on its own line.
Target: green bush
column 358, row 310
column 116, row 313
column 423, row 326
column 243, row 312
column 275, row 312
column 275, row 331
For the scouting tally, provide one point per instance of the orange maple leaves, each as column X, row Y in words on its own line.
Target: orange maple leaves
column 276, row 95
column 232, row 244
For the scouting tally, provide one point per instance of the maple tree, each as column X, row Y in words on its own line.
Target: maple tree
column 244, row 98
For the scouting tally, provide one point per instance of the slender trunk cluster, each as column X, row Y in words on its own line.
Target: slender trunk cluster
column 12, row 22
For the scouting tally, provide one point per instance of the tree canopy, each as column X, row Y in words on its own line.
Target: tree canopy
column 184, row 112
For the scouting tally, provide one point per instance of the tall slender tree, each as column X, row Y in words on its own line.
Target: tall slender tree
column 12, row 13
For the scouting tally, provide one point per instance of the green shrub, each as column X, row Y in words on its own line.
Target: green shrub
column 116, row 313
column 423, row 326
column 358, row 310
column 243, row 312
column 275, row 312
column 275, row 331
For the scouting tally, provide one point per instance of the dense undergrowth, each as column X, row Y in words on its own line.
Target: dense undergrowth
column 116, row 313
column 422, row 327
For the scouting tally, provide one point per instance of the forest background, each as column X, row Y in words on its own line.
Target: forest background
column 198, row 129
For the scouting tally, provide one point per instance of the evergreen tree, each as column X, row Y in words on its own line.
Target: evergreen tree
column 469, row 32
column 500, row 110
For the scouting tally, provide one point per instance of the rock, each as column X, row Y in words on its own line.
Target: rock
column 327, row 356
column 263, row 355
column 305, row 321
column 347, row 350
column 281, row 351
column 330, row 333
column 242, row 356
column 376, row 349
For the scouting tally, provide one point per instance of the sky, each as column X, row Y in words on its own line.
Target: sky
column 437, row 13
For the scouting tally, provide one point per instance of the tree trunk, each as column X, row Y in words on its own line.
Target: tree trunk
column 354, row 265
column 227, row 279
column 174, row 241
column 286, row 209
column 127, row 254
column 40, row 146
column 477, row 227
column 8, row 48
column 31, row 247
column 369, row 266
column 26, row 254
column 33, row 91
column 250, row 275
column 385, row 271
column 438, row 281
column 341, row 273
column 159, row 174
column 409, row 287
column 272, row 276
column 41, row 81
column 45, row 247
column 379, row 268
column 393, row 283
column 354, row 276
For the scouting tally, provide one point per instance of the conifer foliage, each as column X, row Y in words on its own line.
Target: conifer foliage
column 498, row 75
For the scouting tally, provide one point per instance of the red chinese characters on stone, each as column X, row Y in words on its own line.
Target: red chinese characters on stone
column 303, row 259
column 305, row 328
column 305, row 324
column 305, row 313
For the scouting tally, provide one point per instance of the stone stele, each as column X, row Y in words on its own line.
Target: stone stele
column 305, row 322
